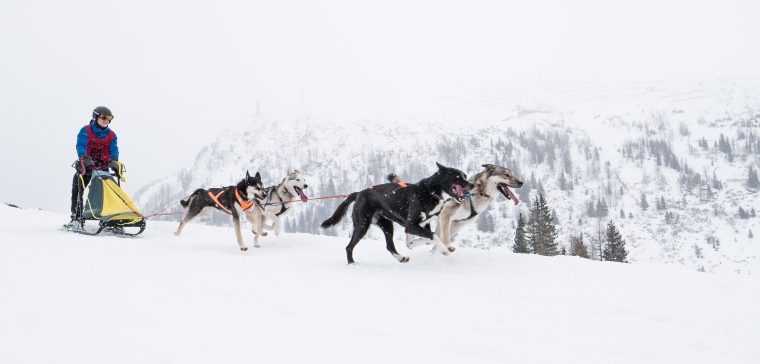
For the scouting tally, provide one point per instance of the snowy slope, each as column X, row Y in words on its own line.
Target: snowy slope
column 587, row 125
column 158, row 298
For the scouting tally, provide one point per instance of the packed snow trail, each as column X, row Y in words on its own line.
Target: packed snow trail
column 157, row 298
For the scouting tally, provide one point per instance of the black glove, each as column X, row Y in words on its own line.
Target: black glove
column 87, row 161
column 82, row 163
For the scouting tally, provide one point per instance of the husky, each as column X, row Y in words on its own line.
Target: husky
column 280, row 201
column 412, row 206
column 456, row 215
column 233, row 200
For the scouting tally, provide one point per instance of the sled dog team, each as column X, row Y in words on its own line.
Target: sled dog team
column 447, row 195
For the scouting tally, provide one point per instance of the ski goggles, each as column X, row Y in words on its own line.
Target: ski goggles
column 106, row 117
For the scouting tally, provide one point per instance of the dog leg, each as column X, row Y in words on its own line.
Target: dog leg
column 444, row 226
column 359, row 231
column 236, row 223
column 387, row 227
column 362, row 218
column 412, row 241
column 254, row 218
column 438, row 246
column 182, row 224
column 277, row 226
column 191, row 214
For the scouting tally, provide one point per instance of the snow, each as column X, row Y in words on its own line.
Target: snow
column 158, row 298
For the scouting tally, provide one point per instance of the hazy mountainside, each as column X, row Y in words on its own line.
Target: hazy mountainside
column 672, row 166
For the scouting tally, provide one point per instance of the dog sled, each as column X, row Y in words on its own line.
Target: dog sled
column 106, row 203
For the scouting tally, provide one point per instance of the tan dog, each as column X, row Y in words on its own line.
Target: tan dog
column 456, row 215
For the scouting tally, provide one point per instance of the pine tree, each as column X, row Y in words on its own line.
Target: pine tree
column 622, row 214
column 542, row 235
column 562, row 181
column 615, row 249
column 750, row 234
column 521, row 243
column 590, row 209
column 752, row 180
column 578, row 247
column 601, row 208
column 644, row 204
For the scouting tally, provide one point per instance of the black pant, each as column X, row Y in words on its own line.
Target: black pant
column 77, row 190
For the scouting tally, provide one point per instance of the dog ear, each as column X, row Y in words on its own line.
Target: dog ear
column 439, row 165
column 247, row 174
column 258, row 176
column 489, row 167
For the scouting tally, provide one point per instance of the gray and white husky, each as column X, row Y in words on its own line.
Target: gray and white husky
column 456, row 215
column 280, row 200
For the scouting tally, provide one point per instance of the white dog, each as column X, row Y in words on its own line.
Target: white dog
column 456, row 215
column 280, row 200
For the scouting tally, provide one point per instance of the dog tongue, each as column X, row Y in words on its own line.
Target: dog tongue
column 512, row 196
column 458, row 190
column 304, row 198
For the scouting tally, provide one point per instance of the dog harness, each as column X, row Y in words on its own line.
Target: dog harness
column 97, row 149
column 283, row 205
column 473, row 213
column 245, row 205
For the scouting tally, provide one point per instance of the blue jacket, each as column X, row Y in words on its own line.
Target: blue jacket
column 113, row 148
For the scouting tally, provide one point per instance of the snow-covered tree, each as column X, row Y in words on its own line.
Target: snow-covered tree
column 614, row 250
column 578, row 247
column 541, row 233
column 521, row 243
column 752, row 180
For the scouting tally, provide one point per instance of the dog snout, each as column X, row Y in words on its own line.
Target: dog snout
column 519, row 183
column 470, row 185
column 305, row 186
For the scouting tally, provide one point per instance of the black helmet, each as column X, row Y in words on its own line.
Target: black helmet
column 101, row 110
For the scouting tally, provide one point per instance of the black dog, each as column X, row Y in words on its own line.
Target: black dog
column 410, row 205
column 233, row 200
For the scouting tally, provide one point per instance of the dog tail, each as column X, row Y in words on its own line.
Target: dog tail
column 393, row 178
column 186, row 201
column 340, row 211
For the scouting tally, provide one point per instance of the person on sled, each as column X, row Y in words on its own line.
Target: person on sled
column 97, row 149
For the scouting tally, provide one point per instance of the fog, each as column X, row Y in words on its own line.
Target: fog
column 176, row 72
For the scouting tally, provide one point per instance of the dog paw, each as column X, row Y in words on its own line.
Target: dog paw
column 264, row 233
column 245, row 248
column 404, row 259
column 451, row 249
column 438, row 249
column 257, row 246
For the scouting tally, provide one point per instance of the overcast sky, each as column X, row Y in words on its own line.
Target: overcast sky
column 174, row 72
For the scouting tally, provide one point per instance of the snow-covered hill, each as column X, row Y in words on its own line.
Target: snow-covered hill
column 158, row 298
column 684, row 148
